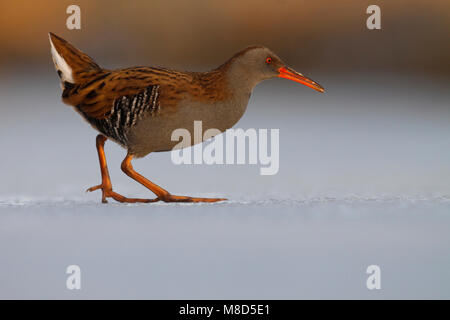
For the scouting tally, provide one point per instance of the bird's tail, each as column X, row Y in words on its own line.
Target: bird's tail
column 72, row 65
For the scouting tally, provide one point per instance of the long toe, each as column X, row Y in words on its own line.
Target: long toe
column 121, row 198
column 173, row 198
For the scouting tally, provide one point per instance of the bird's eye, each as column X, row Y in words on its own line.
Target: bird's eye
column 269, row 60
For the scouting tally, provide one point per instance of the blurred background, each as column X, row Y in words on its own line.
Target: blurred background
column 325, row 35
column 364, row 168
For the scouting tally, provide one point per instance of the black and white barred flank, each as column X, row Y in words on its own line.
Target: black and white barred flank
column 125, row 113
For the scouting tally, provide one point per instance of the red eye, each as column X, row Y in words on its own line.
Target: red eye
column 269, row 60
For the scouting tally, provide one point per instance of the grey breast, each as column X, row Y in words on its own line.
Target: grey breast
column 155, row 133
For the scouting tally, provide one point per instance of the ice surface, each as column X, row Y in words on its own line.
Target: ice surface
column 364, row 179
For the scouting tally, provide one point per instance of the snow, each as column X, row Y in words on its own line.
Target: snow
column 364, row 179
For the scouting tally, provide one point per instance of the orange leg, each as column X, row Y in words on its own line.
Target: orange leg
column 162, row 194
column 106, row 186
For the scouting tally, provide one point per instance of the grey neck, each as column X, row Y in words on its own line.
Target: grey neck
column 240, row 80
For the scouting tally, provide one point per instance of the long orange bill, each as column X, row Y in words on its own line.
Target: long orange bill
column 293, row 75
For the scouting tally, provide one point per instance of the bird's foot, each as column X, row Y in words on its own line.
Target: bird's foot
column 172, row 198
column 107, row 192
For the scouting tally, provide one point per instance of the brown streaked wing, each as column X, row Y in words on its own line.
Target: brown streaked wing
column 97, row 96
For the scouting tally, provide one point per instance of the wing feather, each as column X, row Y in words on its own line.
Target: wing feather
column 97, row 97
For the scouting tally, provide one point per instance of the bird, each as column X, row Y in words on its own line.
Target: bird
column 139, row 107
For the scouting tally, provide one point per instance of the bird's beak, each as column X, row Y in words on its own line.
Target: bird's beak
column 288, row 73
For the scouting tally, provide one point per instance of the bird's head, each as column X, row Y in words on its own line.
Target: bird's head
column 258, row 63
